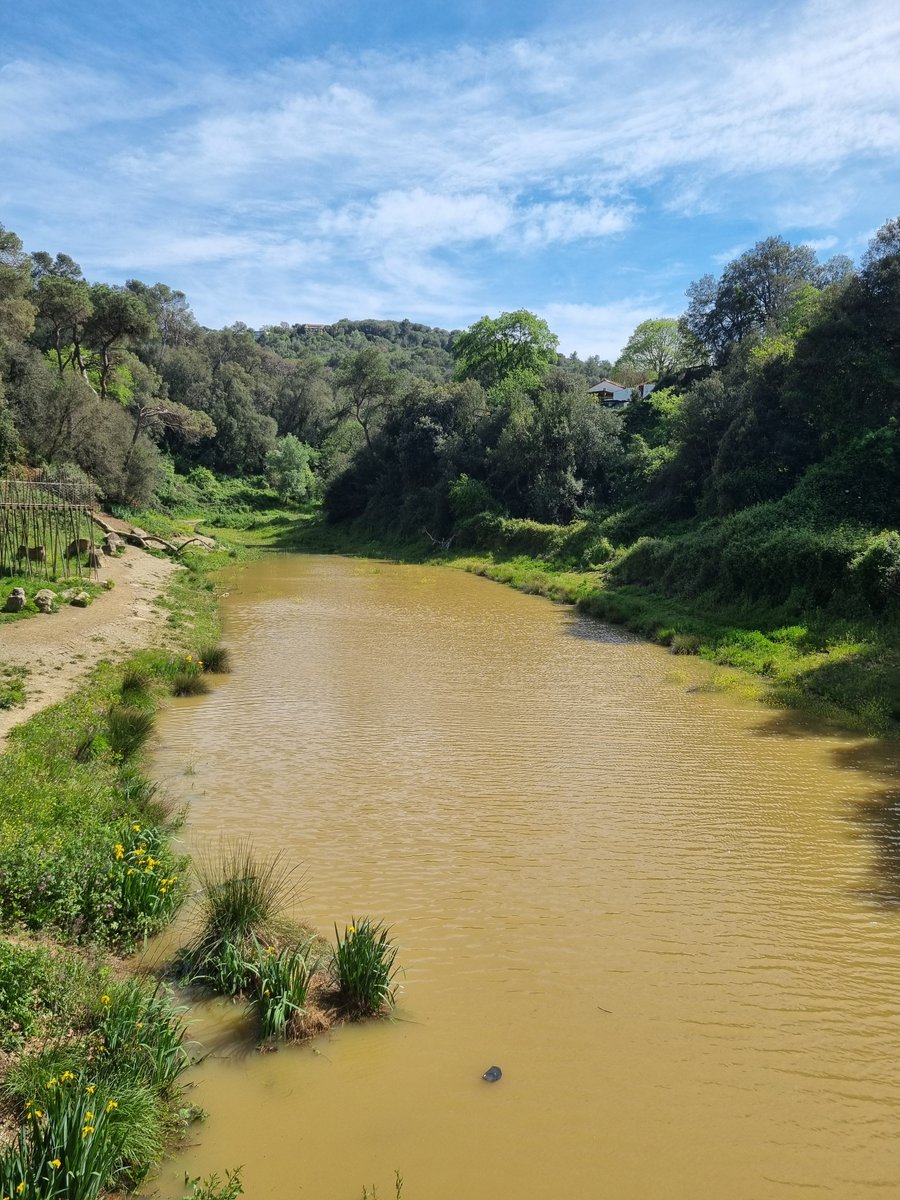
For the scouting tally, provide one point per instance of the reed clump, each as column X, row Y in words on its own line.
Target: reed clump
column 365, row 966
column 214, row 659
column 244, row 898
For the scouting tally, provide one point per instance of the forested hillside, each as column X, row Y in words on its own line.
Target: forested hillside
column 764, row 469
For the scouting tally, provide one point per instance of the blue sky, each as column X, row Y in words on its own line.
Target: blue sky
column 308, row 161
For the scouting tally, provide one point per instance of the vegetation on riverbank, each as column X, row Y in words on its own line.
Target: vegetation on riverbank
column 247, row 946
column 91, row 1061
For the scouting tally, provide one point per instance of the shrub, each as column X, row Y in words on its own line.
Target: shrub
column 685, row 643
column 213, row 1188
column 876, row 569
column 364, row 965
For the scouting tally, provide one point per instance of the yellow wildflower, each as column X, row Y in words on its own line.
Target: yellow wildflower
column 119, row 851
column 189, row 658
column 140, row 1025
column 90, row 1089
column 267, row 993
column 38, row 1112
column 88, row 1116
column 130, row 871
column 136, row 828
column 104, row 999
column 199, row 662
column 20, row 1187
column 87, row 1129
column 270, row 949
column 52, row 1082
column 351, row 931
column 66, row 1076
column 111, row 1105
column 140, row 852
column 56, row 1162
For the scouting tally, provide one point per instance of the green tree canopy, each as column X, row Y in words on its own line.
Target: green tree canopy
column 656, row 348
column 494, row 347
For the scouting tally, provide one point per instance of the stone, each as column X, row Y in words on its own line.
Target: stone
column 44, row 600
column 80, row 600
column 15, row 601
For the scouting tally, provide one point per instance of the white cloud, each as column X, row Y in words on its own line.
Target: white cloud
column 415, row 174
column 598, row 328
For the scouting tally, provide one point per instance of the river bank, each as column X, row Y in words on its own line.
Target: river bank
column 90, row 1053
column 815, row 661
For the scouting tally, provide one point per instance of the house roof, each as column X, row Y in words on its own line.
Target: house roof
column 605, row 384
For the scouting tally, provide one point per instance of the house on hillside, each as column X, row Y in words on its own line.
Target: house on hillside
column 617, row 395
column 611, row 394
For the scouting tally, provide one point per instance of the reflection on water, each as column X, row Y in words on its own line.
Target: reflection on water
column 659, row 910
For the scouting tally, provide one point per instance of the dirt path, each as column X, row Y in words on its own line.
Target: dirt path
column 59, row 650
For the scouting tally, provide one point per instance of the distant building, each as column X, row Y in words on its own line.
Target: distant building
column 617, row 395
column 611, row 394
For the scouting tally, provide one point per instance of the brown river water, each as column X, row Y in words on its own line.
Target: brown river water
column 671, row 916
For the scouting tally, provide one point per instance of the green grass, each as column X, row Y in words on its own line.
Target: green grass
column 365, row 966
column 33, row 584
column 12, row 686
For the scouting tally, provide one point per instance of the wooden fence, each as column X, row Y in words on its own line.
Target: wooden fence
column 47, row 528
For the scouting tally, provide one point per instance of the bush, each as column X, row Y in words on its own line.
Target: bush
column 685, row 643
column 876, row 569
column 364, row 965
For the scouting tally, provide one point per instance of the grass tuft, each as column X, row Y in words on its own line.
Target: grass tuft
column 189, row 683
column 243, row 902
column 215, row 659
column 128, row 729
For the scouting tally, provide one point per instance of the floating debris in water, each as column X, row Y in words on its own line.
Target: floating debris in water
column 492, row 1074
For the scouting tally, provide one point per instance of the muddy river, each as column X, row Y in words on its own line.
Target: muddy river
column 668, row 914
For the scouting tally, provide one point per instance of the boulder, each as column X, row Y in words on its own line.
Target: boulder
column 15, row 601
column 80, row 600
column 44, row 600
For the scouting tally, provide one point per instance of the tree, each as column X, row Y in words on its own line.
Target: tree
column 368, row 383
column 656, row 348
column 16, row 310
column 495, row 347
column 752, row 294
column 64, row 306
column 289, row 470
column 117, row 319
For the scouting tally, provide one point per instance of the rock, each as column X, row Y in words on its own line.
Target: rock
column 44, row 600
column 112, row 543
column 492, row 1074
column 15, row 601
column 68, row 594
column 80, row 600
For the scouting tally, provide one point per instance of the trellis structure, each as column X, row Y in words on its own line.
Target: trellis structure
column 47, row 528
